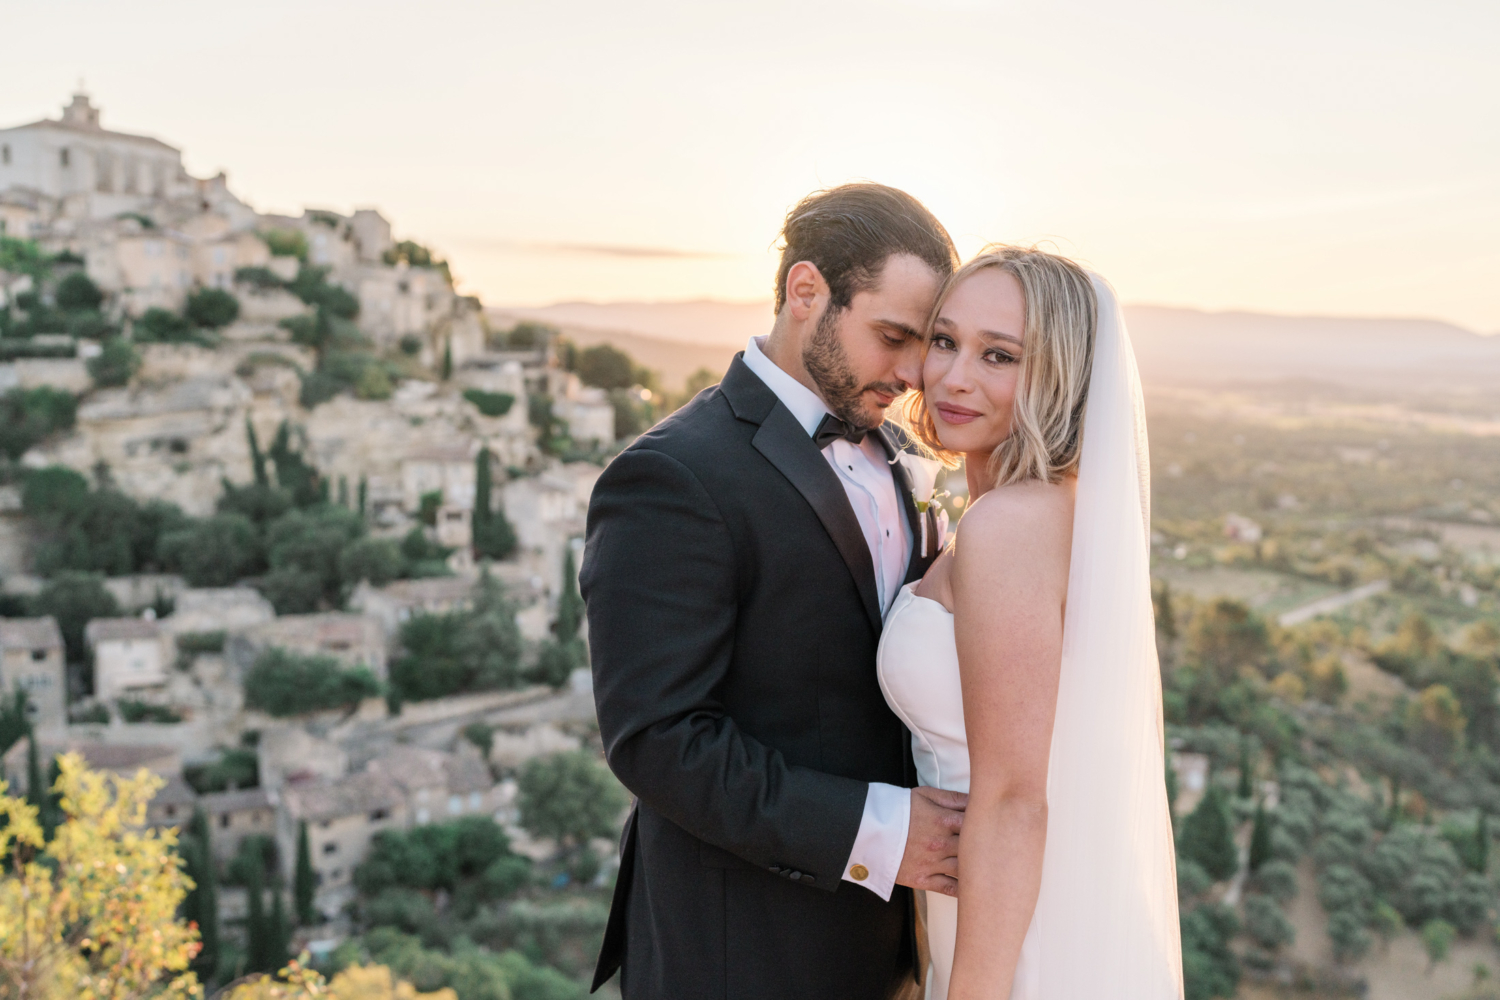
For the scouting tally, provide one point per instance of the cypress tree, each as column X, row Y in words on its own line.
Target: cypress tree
column 1206, row 836
column 1246, row 788
column 257, row 460
column 278, row 934
column 343, row 491
column 202, row 904
column 1260, row 837
column 447, row 360
column 1171, row 788
column 258, row 944
column 364, row 490
column 304, row 884
column 570, row 604
column 1482, row 844
column 482, row 485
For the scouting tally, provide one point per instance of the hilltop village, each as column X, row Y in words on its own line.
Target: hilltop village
column 284, row 521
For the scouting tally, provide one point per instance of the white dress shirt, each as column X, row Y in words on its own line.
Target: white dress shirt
column 865, row 473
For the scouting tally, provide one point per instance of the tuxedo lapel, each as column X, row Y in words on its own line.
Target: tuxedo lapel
column 786, row 446
column 919, row 559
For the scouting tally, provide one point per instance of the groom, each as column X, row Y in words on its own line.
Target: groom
column 741, row 556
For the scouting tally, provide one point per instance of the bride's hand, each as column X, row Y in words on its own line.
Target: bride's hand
column 931, row 858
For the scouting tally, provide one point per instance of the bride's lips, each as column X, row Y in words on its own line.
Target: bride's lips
column 955, row 414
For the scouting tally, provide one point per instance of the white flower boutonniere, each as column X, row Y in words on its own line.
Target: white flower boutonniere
column 923, row 473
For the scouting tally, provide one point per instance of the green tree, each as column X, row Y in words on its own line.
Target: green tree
column 494, row 537
column 257, row 460
column 570, row 607
column 278, row 932
column 161, row 326
column 606, row 367
column 1260, row 838
column 1437, row 938
column 304, row 882
column 77, row 293
column 1245, row 789
column 28, row 416
column 293, row 472
column 212, row 308
column 570, row 797
column 283, row 683
column 258, row 948
column 216, row 551
column 202, row 903
column 491, row 404
column 74, row 599
column 115, row 365
column 377, row 560
column 286, row 243
column 447, row 372
column 1206, row 836
column 14, row 722
column 1209, row 966
column 1265, row 922
column 475, row 650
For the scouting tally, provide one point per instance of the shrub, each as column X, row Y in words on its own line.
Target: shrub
column 1209, row 967
column 132, row 710
column 491, row 404
column 91, row 326
column 436, row 856
column 1265, row 922
column 1277, row 879
column 212, row 308
column 261, row 278
column 237, row 767
column 27, row 416
column 377, row 560
column 286, row 243
column 213, row 552
column 284, row 683
column 77, row 292
column 1206, row 837
column 115, row 365
column 161, row 326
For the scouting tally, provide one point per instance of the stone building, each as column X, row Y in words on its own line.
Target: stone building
column 438, row 786
column 399, row 600
column 90, row 171
column 342, row 815
column 125, row 761
column 129, row 654
column 31, row 658
column 234, row 815
column 353, row 639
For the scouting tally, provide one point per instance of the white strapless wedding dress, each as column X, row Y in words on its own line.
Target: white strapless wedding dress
column 1105, row 923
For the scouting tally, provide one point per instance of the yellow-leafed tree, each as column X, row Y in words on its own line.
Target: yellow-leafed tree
column 92, row 914
column 370, row 982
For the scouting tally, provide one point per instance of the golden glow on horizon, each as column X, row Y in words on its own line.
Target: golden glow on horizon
column 1291, row 158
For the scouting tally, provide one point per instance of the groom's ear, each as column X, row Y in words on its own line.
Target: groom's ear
column 806, row 291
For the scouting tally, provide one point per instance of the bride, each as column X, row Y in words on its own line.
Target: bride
column 1024, row 662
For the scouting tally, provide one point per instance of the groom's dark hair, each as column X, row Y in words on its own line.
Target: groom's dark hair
column 850, row 231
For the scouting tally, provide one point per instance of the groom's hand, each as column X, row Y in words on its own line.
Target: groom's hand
column 931, row 858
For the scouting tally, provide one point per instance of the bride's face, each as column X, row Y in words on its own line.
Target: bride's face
column 973, row 360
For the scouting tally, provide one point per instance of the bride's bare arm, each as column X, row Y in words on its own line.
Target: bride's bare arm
column 1010, row 577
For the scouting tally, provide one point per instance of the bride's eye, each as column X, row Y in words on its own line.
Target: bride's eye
column 999, row 357
column 942, row 341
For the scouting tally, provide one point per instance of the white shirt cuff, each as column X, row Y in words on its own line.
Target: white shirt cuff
column 881, row 842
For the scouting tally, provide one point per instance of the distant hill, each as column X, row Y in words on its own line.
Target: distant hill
column 1174, row 346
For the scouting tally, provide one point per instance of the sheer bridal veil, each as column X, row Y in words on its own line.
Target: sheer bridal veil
column 1106, row 919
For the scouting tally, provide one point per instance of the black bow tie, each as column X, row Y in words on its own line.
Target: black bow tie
column 831, row 428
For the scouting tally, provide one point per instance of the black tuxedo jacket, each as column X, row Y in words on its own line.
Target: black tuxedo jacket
column 733, row 623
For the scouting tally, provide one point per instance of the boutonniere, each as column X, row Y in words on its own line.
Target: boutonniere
column 922, row 473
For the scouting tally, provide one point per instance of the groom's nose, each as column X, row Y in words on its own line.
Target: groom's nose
column 908, row 367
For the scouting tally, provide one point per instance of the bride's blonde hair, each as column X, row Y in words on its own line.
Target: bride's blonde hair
column 1057, row 359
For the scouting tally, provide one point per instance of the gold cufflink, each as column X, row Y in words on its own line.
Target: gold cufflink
column 859, row 873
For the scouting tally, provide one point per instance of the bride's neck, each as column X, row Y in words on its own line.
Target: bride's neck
column 977, row 475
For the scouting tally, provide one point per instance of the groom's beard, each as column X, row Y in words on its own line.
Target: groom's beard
column 825, row 360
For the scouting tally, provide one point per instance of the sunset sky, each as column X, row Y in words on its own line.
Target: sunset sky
column 1328, row 158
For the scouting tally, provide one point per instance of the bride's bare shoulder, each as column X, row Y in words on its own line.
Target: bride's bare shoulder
column 1019, row 520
